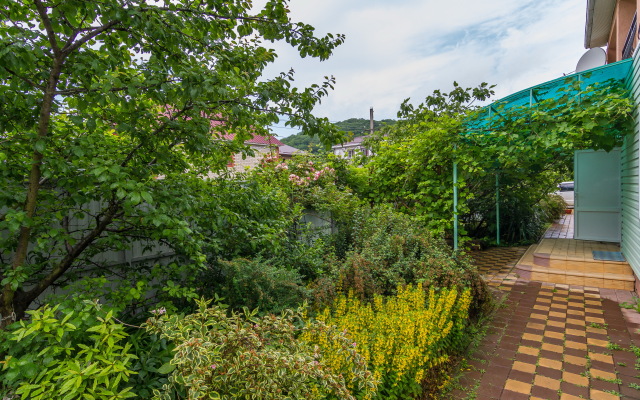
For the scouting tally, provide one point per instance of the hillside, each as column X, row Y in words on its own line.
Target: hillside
column 357, row 126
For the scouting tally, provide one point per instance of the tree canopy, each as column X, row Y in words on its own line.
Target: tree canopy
column 111, row 113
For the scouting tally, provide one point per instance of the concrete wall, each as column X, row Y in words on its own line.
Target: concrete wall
column 240, row 164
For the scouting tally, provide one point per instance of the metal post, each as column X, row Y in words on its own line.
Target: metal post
column 455, row 206
column 497, row 209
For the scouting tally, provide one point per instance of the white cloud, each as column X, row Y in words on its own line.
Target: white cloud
column 412, row 47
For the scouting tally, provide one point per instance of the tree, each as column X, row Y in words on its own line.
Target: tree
column 106, row 112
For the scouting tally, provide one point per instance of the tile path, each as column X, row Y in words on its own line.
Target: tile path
column 551, row 341
column 561, row 229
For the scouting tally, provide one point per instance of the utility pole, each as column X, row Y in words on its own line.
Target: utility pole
column 371, row 121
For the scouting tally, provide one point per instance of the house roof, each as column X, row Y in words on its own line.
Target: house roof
column 599, row 21
column 257, row 139
column 216, row 123
column 355, row 142
column 287, row 150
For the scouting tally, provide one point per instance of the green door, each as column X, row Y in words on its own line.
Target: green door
column 597, row 195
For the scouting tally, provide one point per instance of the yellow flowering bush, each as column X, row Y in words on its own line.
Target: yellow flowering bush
column 228, row 355
column 402, row 337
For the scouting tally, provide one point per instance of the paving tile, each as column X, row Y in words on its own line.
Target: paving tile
column 545, row 362
column 575, row 360
column 575, row 379
column 517, row 386
column 597, row 373
column 540, row 392
column 524, row 367
column 567, row 396
column 600, row 395
column 597, row 342
column 549, row 383
column 546, row 334
column 604, row 358
column 529, row 350
column 552, row 347
column 575, row 345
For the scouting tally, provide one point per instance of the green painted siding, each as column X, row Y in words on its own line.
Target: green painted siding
column 630, row 184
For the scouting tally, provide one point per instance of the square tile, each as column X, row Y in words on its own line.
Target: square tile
column 552, row 347
column 528, row 350
column 575, row 379
column 548, row 383
column 524, row 367
column 517, row 386
column 545, row 362
column 582, row 361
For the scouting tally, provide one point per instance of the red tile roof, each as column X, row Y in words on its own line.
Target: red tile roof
column 257, row 139
column 215, row 123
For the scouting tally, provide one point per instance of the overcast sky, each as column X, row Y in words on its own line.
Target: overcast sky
column 408, row 48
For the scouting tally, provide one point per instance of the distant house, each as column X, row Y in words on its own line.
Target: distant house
column 351, row 149
column 286, row 151
column 261, row 146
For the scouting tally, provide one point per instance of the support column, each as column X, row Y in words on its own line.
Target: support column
column 455, row 206
column 497, row 209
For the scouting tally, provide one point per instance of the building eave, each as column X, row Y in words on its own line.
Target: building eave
column 598, row 23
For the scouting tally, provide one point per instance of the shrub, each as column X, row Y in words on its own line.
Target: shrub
column 391, row 250
column 67, row 353
column 553, row 206
column 402, row 337
column 254, row 284
column 220, row 355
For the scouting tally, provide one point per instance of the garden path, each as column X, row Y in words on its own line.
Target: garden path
column 551, row 341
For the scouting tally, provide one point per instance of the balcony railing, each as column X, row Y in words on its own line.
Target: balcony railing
column 627, row 50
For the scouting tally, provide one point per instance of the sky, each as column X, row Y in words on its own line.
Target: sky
column 408, row 48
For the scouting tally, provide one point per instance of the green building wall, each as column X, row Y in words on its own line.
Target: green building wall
column 630, row 184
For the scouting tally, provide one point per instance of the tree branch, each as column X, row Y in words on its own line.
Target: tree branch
column 92, row 34
column 27, row 80
column 42, row 11
column 107, row 217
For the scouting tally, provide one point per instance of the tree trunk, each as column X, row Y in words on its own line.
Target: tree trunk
column 8, row 309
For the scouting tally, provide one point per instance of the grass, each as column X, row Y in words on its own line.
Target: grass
column 633, row 305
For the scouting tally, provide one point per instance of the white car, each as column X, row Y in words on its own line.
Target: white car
column 565, row 190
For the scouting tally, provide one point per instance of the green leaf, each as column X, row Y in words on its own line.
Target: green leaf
column 166, row 368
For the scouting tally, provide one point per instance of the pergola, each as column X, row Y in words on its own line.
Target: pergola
column 615, row 73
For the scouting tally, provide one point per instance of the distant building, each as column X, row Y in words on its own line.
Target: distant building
column 286, row 151
column 351, row 149
column 261, row 145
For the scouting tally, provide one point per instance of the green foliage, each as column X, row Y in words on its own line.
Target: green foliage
column 220, row 356
column 254, row 284
column 304, row 142
column 312, row 183
column 151, row 353
column 403, row 337
column 361, row 126
column 389, row 249
column 634, row 304
column 68, row 353
column 111, row 113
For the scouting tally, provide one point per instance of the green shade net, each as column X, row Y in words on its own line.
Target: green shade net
column 610, row 74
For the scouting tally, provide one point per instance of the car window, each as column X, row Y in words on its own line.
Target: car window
column 566, row 187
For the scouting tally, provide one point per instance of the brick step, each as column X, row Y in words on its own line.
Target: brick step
column 577, row 264
column 544, row 267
